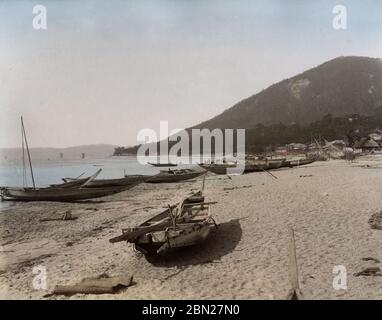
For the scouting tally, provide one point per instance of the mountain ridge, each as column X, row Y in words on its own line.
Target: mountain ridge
column 344, row 85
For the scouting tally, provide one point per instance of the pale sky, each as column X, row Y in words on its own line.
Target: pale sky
column 103, row 70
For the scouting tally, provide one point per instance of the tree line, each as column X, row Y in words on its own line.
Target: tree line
column 348, row 128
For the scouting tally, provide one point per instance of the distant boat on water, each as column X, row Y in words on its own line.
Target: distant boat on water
column 158, row 164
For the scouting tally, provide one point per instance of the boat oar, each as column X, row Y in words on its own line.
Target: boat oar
column 204, row 180
column 273, row 176
column 295, row 293
column 80, row 175
column 91, row 178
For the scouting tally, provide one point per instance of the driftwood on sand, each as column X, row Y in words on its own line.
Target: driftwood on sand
column 295, row 293
column 98, row 285
column 65, row 217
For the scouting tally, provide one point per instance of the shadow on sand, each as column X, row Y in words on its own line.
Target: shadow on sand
column 220, row 242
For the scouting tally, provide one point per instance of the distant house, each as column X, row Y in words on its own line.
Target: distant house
column 296, row 147
column 366, row 144
column 376, row 137
column 282, row 151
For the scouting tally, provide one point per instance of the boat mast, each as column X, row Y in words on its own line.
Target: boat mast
column 29, row 156
column 24, row 168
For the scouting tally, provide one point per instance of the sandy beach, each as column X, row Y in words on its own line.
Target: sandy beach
column 328, row 204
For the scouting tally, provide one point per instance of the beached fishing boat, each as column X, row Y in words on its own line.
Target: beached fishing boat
column 275, row 164
column 262, row 165
column 250, row 166
column 256, row 167
column 301, row 162
column 57, row 194
column 76, row 183
column 286, row 164
column 174, row 175
column 182, row 225
column 217, row 168
column 127, row 181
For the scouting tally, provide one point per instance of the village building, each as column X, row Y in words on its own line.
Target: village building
column 366, row 144
column 295, row 147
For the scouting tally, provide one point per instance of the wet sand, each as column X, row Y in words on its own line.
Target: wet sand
column 328, row 204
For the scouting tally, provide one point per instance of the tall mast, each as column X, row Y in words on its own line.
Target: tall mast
column 23, row 151
column 29, row 156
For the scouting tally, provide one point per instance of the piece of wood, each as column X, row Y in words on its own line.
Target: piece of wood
column 135, row 233
column 58, row 219
column 193, row 204
column 294, row 293
column 99, row 285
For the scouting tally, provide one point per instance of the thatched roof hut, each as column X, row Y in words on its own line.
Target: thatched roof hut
column 366, row 143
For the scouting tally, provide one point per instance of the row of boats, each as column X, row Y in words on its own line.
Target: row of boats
column 257, row 165
column 75, row 189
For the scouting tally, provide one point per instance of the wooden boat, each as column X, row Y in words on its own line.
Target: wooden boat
column 275, row 164
column 127, row 181
column 76, row 183
column 57, row 194
column 158, row 164
column 301, row 162
column 263, row 165
column 250, row 166
column 286, row 164
column 217, row 168
column 255, row 167
column 174, row 175
column 184, row 224
column 70, row 184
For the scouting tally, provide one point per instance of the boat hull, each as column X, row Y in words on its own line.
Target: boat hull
column 302, row 162
column 189, row 236
column 219, row 169
column 122, row 182
column 160, row 234
column 259, row 166
column 57, row 194
column 168, row 178
column 263, row 165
